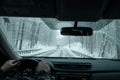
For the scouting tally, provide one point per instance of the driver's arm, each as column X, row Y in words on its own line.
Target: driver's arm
column 6, row 66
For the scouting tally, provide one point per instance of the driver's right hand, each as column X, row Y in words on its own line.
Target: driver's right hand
column 43, row 65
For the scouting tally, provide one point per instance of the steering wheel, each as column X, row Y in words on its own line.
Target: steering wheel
column 26, row 70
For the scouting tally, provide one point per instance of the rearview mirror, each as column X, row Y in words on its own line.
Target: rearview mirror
column 78, row 31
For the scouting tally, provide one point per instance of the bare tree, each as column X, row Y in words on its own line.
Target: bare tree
column 22, row 34
column 103, row 45
column 32, row 34
column 18, row 35
column 37, row 32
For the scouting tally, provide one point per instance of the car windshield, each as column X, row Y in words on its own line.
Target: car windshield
column 40, row 37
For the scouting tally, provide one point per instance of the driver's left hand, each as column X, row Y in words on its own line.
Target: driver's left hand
column 9, row 64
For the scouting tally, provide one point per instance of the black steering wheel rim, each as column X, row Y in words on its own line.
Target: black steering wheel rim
column 28, row 63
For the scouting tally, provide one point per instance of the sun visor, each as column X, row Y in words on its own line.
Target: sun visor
column 85, row 10
column 28, row 8
column 113, row 10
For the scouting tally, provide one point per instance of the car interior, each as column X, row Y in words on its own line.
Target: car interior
column 78, row 38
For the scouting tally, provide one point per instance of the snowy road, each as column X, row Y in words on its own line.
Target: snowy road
column 51, row 52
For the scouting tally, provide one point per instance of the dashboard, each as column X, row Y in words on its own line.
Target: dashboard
column 84, row 69
column 78, row 69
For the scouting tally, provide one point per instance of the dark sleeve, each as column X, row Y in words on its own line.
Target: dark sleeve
column 42, row 75
column 2, row 74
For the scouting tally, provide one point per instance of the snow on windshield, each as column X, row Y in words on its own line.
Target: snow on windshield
column 36, row 37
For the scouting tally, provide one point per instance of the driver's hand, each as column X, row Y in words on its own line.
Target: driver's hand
column 9, row 64
column 43, row 65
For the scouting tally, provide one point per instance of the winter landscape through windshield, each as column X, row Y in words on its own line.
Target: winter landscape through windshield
column 40, row 37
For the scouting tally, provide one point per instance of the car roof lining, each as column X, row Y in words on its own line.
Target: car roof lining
column 60, row 9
